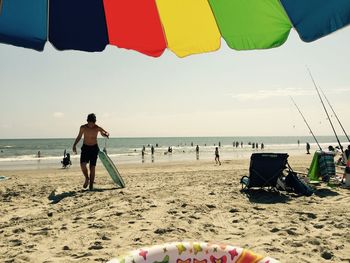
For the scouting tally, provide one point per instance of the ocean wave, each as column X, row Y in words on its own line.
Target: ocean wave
column 6, row 146
column 28, row 158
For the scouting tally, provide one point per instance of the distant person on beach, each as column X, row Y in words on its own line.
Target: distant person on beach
column 39, row 154
column 89, row 149
column 152, row 150
column 262, row 146
column 143, row 155
column 308, row 148
column 197, row 149
column 298, row 143
column 339, row 151
column 217, row 156
column 331, row 148
column 347, row 152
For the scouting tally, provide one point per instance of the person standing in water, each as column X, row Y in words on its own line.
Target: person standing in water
column 197, row 152
column 217, row 156
column 90, row 149
column 308, row 148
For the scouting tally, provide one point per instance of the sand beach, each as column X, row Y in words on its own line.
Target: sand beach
column 46, row 216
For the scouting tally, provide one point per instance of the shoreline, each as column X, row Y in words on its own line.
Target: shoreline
column 42, row 163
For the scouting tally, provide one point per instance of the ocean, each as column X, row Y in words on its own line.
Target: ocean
column 23, row 153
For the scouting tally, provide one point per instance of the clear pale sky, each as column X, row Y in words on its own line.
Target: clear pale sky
column 225, row 93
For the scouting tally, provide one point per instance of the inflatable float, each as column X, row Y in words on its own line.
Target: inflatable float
column 192, row 252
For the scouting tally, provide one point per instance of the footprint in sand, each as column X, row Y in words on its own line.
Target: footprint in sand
column 162, row 231
column 234, row 210
column 96, row 246
column 318, row 226
column 82, row 255
column 274, row 230
column 18, row 231
column 314, row 242
column 172, row 212
column 291, row 232
column 16, row 242
column 96, row 225
column 118, row 213
column 194, row 217
column 296, row 244
column 104, row 237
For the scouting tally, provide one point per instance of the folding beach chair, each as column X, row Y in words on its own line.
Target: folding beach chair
column 264, row 170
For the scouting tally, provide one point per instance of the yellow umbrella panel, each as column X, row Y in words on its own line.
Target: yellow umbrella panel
column 189, row 26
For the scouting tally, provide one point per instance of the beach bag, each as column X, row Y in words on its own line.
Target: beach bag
column 298, row 185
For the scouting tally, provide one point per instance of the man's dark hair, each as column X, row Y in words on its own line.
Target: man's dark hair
column 91, row 118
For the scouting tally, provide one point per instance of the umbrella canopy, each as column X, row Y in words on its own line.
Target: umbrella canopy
column 150, row 26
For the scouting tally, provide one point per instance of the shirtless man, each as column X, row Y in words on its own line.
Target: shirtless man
column 89, row 150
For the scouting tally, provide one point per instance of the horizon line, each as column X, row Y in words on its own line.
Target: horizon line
column 149, row 137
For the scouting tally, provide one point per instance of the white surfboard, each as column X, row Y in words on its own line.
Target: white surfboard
column 111, row 169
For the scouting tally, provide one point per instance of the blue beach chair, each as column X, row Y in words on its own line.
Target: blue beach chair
column 264, row 170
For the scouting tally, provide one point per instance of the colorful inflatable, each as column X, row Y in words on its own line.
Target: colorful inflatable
column 193, row 252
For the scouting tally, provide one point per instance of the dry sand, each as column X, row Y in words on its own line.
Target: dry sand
column 45, row 216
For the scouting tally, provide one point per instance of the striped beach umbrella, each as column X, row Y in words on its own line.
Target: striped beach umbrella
column 183, row 26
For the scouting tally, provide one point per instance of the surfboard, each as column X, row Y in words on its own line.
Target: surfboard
column 111, row 169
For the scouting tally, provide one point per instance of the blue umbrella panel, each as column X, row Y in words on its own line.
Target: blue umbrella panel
column 314, row 19
column 24, row 23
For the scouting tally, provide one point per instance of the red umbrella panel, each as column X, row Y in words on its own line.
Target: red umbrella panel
column 135, row 24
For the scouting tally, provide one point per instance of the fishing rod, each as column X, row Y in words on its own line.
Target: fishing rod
column 324, row 107
column 324, row 95
column 306, row 123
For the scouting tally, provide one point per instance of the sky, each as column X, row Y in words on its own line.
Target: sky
column 224, row 93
